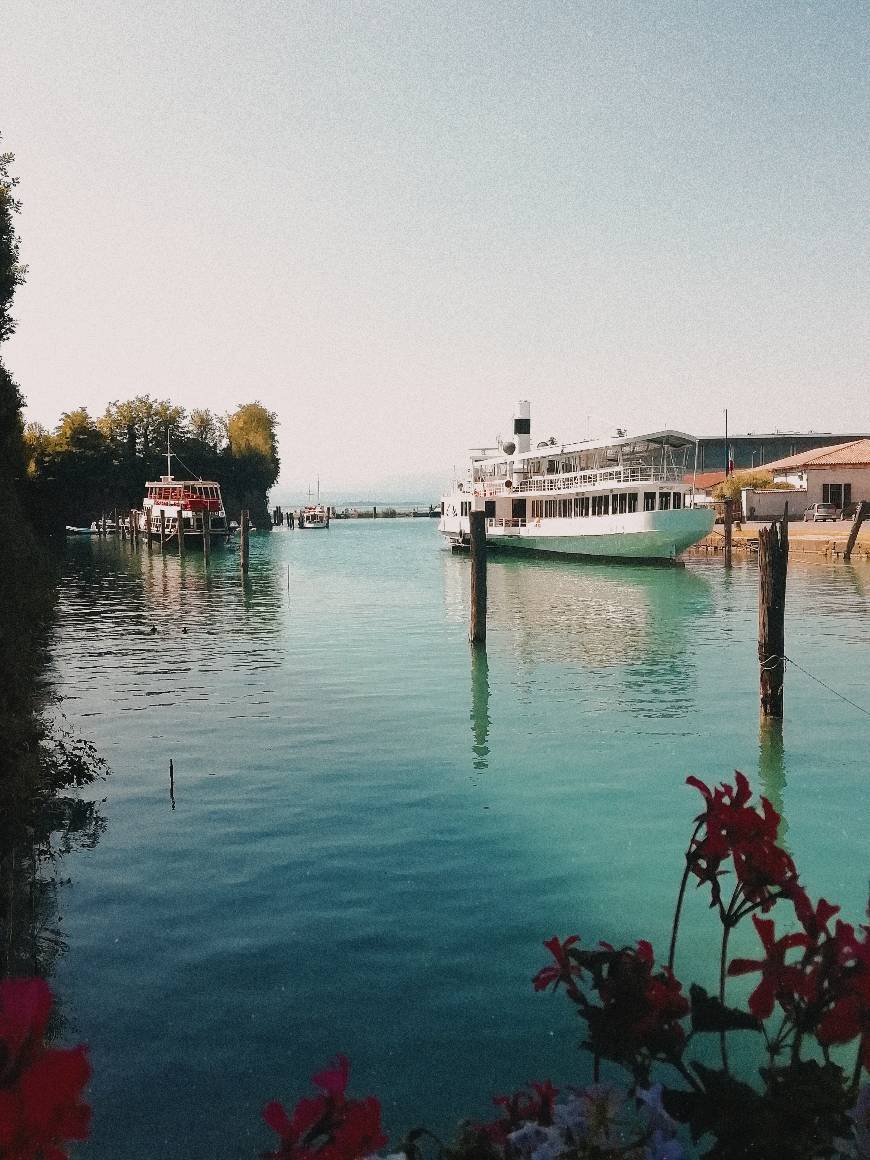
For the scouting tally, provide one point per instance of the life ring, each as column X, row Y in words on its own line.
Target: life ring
column 508, row 485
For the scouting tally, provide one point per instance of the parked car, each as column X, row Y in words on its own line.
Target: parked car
column 821, row 511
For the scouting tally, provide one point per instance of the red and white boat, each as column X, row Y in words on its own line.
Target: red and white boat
column 194, row 505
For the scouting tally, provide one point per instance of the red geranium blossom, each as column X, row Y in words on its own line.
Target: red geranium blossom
column 729, row 827
column 328, row 1126
column 778, row 979
column 565, row 970
column 40, row 1087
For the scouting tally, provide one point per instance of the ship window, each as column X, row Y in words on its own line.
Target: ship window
column 664, row 501
column 677, row 500
column 584, row 505
column 489, row 509
column 649, row 501
column 620, row 503
column 632, row 502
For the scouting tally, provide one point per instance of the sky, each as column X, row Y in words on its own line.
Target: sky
column 389, row 221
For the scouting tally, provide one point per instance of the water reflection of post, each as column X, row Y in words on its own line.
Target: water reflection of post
column 480, row 720
column 771, row 768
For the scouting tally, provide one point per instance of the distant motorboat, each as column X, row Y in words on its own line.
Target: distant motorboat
column 74, row 531
column 314, row 515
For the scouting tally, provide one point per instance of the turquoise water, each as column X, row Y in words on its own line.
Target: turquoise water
column 373, row 828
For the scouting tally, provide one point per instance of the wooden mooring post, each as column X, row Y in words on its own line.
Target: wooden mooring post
column 243, row 541
column 206, row 535
column 860, row 515
column 772, row 571
column 134, row 527
column 148, row 544
column 162, row 530
column 477, row 626
column 729, row 535
column 117, row 527
column 179, row 530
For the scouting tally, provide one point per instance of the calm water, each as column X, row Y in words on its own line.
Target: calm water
column 373, row 831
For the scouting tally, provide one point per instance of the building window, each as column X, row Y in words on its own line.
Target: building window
column 839, row 494
column 632, row 502
column 677, row 499
column 649, row 501
column 664, row 501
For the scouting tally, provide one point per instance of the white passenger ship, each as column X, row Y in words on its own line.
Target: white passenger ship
column 196, row 503
column 620, row 498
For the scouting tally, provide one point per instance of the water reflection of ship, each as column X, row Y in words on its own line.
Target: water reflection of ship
column 631, row 625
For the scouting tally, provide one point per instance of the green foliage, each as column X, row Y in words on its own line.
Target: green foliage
column 87, row 467
column 11, row 271
column 730, row 487
column 251, row 431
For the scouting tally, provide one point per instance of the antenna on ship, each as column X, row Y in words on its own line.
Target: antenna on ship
column 168, row 454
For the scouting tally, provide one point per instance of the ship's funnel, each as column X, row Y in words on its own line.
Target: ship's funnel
column 522, row 426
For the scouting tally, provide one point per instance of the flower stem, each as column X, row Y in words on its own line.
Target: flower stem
column 856, row 1074
column 723, row 961
column 680, row 896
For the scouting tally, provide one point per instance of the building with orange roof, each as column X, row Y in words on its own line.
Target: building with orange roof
column 839, row 475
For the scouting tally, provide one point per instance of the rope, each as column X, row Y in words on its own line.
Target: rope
column 768, row 663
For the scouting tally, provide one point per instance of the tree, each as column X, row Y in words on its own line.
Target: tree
column 251, row 432
column 730, row 488
column 205, row 427
column 11, row 271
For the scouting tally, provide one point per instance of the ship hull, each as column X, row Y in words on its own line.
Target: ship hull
column 644, row 536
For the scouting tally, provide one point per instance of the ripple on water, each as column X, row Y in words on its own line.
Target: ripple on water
column 374, row 827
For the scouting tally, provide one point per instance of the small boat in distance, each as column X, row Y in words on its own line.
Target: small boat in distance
column 314, row 515
column 192, row 505
column 624, row 498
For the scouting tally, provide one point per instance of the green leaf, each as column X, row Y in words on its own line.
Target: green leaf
column 709, row 1014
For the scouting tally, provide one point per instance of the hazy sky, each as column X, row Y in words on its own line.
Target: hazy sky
column 387, row 221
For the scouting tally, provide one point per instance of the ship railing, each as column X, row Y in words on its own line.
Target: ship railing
column 550, row 483
column 514, row 522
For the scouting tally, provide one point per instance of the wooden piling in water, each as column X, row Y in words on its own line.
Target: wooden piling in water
column 148, row 544
column 772, row 571
column 162, row 530
column 243, row 541
column 179, row 530
column 729, row 535
column 477, row 627
column 116, row 530
column 860, row 515
column 206, row 535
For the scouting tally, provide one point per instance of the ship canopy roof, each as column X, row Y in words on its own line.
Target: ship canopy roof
column 171, row 481
column 675, row 440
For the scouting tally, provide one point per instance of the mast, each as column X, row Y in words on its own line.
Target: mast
column 168, row 454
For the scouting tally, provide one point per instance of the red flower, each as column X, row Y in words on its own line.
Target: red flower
column 641, row 1007
column 40, row 1087
column 565, row 970
column 731, row 828
column 778, row 980
column 329, row 1126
